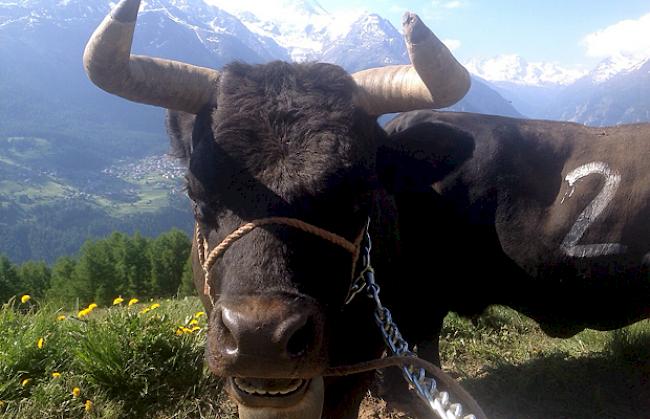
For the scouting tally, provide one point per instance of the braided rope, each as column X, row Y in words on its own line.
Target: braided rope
column 207, row 262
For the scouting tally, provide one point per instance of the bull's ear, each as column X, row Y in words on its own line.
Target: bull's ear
column 179, row 127
column 415, row 158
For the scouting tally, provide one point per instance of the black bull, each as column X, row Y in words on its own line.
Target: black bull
column 549, row 218
column 466, row 211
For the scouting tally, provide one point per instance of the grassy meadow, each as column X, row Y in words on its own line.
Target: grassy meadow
column 145, row 360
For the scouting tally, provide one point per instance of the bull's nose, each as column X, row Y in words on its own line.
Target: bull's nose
column 267, row 331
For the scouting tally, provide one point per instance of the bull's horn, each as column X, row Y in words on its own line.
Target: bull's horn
column 434, row 80
column 154, row 81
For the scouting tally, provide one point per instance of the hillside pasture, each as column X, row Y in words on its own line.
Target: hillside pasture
column 145, row 360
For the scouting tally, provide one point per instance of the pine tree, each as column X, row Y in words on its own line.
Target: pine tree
column 63, row 283
column 169, row 254
column 95, row 277
column 34, row 278
column 187, row 287
column 9, row 280
column 136, row 266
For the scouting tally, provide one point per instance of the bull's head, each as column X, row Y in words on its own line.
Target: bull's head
column 298, row 141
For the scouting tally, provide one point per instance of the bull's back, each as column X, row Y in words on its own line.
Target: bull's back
column 567, row 205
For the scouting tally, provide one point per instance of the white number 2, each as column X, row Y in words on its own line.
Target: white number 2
column 570, row 244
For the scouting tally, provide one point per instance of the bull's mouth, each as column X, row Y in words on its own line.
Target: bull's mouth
column 278, row 398
column 263, row 392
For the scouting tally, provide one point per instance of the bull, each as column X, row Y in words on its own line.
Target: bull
column 554, row 217
column 286, row 165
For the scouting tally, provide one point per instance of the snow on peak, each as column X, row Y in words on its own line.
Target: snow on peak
column 303, row 27
column 294, row 11
column 617, row 64
column 515, row 69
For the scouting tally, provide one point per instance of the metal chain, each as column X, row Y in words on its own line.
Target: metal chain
column 425, row 387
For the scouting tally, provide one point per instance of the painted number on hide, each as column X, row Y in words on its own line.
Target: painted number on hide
column 570, row 244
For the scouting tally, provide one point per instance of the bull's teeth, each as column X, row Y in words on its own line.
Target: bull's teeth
column 247, row 387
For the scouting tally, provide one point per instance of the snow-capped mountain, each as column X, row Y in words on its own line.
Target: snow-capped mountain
column 529, row 86
column 370, row 42
column 616, row 65
column 356, row 40
column 612, row 94
column 303, row 27
column 515, row 69
column 609, row 94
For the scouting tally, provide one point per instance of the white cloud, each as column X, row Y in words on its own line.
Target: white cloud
column 454, row 4
column 627, row 37
column 452, row 44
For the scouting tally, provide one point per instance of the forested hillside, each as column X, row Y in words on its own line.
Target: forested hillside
column 118, row 265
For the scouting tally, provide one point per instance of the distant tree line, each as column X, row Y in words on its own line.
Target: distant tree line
column 49, row 231
column 119, row 265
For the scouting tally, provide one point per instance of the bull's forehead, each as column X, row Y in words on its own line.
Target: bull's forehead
column 289, row 129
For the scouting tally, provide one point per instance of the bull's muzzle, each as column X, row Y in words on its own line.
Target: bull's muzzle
column 267, row 337
column 271, row 351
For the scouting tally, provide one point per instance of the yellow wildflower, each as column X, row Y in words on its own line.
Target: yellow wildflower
column 25, row 298
column 88, row 406
column 154, row 306
column 83, row 313
column 194, row 329
column 92, row 306
column 118, row 301
column 198, row 314
column 76, row 392
column 56, row 374
column 40, row 343
column 60, row 317
column 182, row 330
column 193, row 322
column 144, row 310
column 133, row 301
column 25, row 382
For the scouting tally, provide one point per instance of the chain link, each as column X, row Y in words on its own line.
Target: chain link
column 425, row 387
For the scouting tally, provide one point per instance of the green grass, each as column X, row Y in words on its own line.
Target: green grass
column 26, row 148
column 30, row 195
column 151, row 197
column 133, row 364
column 128, row 363
column 515, row 371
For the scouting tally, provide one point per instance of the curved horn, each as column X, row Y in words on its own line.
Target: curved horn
column 434, row 80
column 154, row 81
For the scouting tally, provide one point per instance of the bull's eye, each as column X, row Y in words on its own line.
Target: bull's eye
column 203, row 214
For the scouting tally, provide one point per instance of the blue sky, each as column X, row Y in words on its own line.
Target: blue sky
column 572, row 33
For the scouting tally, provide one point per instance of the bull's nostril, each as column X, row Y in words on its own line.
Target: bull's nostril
column 227, row 339
column 301, row 340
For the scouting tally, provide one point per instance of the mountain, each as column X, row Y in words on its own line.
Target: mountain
column 614, row 66
column 370, row 42
column 616, row 92
column 514, row 69
column 302, row 27
column 355, row 41
column 77, row 163
column 530, row 87
column 484, row 98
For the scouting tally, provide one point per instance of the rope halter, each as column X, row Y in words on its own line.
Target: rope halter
column 207, row 257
